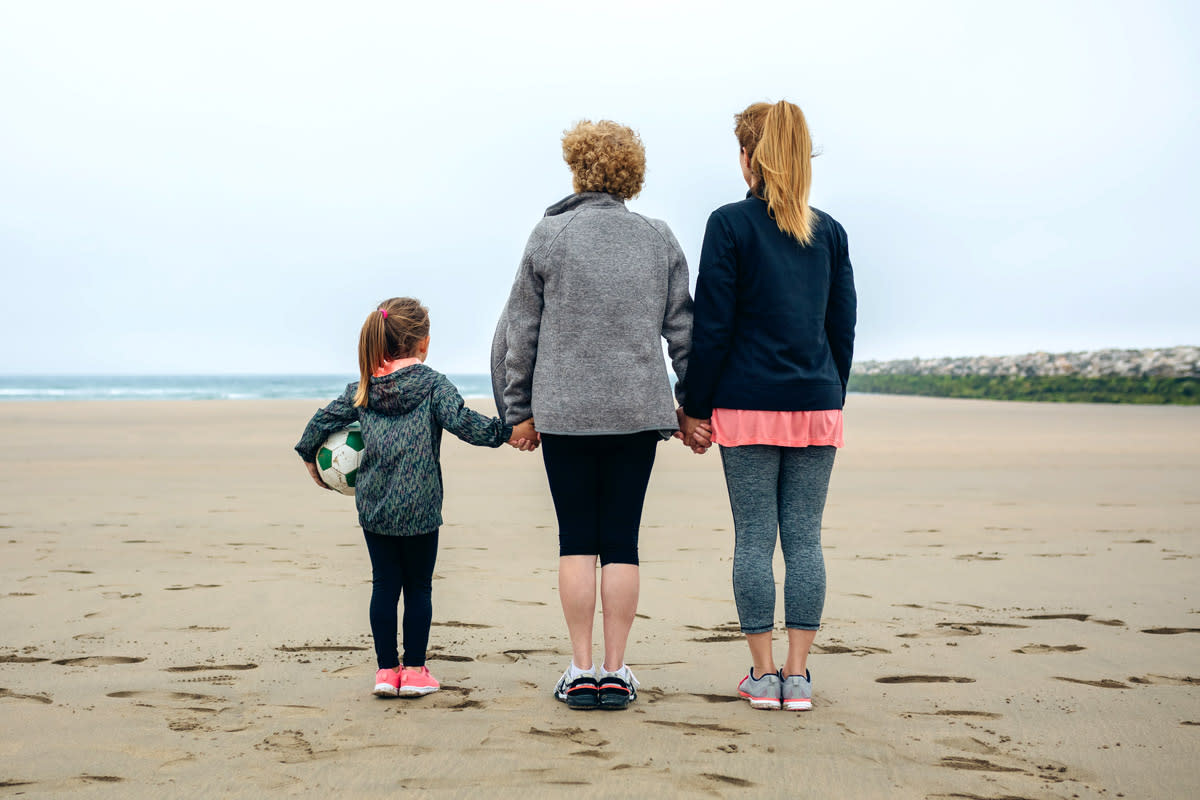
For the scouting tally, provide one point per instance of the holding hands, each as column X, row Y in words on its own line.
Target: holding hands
column 694, row 433
column 525, row 437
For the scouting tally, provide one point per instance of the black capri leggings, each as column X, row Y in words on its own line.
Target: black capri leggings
column 599, row 485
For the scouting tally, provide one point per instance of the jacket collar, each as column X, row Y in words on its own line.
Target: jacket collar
column 585, row 200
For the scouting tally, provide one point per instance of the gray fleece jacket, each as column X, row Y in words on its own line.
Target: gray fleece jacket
column 579, row 344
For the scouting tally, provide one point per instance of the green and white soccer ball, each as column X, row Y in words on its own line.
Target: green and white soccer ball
column 338, row 459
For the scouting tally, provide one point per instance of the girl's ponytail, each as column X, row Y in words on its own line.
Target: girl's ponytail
column 372, row 351
column 778, row 143
column 390, row 332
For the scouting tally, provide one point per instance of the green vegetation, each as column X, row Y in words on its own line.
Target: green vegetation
column 1045, row 388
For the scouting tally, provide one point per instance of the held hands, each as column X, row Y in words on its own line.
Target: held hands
column 694, row 433
column 525, row 437
column 316, row 476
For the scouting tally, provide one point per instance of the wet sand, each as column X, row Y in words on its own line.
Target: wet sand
column 1013, row 612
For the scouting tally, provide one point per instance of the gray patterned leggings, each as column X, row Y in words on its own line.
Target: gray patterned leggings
column 778, row 492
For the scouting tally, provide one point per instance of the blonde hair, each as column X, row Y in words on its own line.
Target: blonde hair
column 605, row 157
column 779, row 147
column 391, row 331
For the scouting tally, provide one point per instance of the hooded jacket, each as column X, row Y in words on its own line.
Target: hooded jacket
column 579, row 345
column 399, row 487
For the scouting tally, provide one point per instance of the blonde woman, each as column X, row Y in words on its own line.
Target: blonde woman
column 579, row 350
column 771, row 350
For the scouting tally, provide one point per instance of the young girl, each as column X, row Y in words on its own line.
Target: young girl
column 402, row 406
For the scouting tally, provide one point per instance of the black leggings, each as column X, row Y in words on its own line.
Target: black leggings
column 401, row 564
column 599, row 485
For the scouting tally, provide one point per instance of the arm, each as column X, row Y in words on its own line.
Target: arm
column 712, row 328
column 524, row 313
column 334, row 417
column 471, row 427
column 677, row 317
column 841, row 311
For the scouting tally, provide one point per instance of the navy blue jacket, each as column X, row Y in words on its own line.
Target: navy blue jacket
column 774, row 319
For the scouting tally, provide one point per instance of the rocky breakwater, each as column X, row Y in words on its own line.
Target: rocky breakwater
column 1169, row 362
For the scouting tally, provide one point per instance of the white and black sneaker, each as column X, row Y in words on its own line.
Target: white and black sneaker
column 617, row 689
column 580, row 692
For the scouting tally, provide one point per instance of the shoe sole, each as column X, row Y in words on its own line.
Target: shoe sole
column 762, row 703
column 386, row 690
column 797, row 705
column 415, row 691
column 582, row 703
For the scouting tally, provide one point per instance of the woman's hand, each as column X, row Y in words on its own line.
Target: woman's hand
column 695, row 433
column 316, row 476
column 525, row 436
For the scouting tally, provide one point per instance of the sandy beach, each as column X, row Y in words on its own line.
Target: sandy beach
column 1013, row 612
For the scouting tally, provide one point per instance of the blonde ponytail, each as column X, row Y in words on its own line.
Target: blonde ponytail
column 779, row 147
column 390, row 332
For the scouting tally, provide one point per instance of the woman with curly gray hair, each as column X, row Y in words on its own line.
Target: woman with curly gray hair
column 579, row 350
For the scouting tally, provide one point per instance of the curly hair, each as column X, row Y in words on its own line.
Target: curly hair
column 605, row 157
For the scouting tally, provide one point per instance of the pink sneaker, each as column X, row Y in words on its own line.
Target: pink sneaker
column 416, row 681
column 387, row 683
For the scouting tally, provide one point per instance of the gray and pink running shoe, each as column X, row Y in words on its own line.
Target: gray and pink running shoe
column 797, row 692
column 763, row 692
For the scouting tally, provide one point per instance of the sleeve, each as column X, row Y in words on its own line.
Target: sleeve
column 334, row 417
column 677, row 318
column 712, row 328
column 841, row 312
column 470, row 426
column 524, row 313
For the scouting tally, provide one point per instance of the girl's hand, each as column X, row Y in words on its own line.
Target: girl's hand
column 316, row 476
column 695, row 433
column 525, row 437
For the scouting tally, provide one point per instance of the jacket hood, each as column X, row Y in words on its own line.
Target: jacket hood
column 402, row 391
column 593, row 199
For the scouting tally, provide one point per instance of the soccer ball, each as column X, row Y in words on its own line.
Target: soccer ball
column 338, row 458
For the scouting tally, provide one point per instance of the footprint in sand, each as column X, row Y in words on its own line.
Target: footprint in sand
column 204, row 667
column 456, row 624
column 841, row 649
column 97, row 661
column 692, row 728
column 193, row 586
column 714, row 698
column 1078, row 618
column 522, row 602
column 1107, row 683
column 924, row 679
column 977, row 764
column 952, row 712
column 588, row 738
column 727, row 780
column 37, row 698
column 14, row 659
column 320, row 648
column 163, row 696
column 447, row 657
column 513, row 656
column 1164, row 680
column 1170, row 631
column 291, row 747
column 1040, row 649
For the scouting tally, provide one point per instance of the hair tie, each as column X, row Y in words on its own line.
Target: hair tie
column 384, row 312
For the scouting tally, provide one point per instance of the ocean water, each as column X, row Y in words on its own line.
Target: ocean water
column 197, row 387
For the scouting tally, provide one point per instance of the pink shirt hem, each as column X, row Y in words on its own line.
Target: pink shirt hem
column 734, row 427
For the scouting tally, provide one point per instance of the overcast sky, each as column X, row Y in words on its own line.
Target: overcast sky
column 230, row 187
